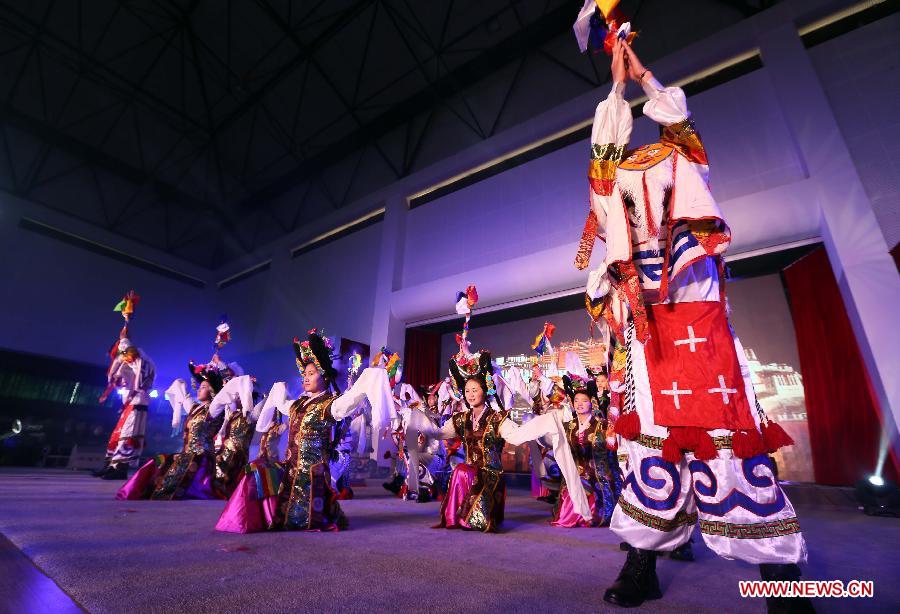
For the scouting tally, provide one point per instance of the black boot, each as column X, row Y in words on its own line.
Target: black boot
column 624, row 546
column 786, row 605
column 424, row 495
column 99, row 472
column 637, row 582
column 684, row 552
column 116, row 472
column 394, row 485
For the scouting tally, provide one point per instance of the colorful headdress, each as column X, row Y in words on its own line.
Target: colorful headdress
column 599, row 24
column 574, row 384
column 435, row 388
column 223, row 333
column 206, row 373
column 542, row 341
column 597, row 371
column 390, row 361
column 464, row 367
column 128, row 304
column 465, row 302
column 315, row 350
column 121, row 344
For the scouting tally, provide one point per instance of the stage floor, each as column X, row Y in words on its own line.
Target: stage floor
column 149, row 556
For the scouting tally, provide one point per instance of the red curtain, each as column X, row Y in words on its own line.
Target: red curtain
column 842, row 411
column 423, row 354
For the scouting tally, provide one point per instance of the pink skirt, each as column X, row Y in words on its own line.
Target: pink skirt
column 567, row 517
column 137, row 485
column 537, row 487
column 460, row 484
column 244, row 513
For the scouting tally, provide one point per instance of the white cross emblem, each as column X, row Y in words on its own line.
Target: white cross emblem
column 675, row 392
column 691, row 340
column 723, row 390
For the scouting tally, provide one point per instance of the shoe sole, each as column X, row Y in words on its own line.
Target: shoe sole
column 613, row 599
column 609, row 597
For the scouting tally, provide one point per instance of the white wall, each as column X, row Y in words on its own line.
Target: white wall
column 58, row 299
column 332, row 287
column 860, row 72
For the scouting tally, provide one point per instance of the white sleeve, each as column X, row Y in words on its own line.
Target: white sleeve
column 257, row 410
column 371, row 384
column 276, row 401
column 612, row 119
column 504, row 390
column 237, row 388
column 445, row 393
column 419, row 423
column 666, row 105
column 550, row 426
column 180, row 401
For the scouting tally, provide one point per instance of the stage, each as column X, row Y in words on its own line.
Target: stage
column 148, row 556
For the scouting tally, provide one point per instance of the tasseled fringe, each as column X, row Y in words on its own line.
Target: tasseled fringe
column 629, row 425
column 706, row 449
column 671, row 451
column 774, row 436
column 747, row 443
column 688, row 439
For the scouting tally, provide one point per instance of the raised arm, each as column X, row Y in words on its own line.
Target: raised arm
column 612, row 119
column 372, row 384
column 667, row 106
column 277, row 400
column 549, row 426
column 419, row 423
column 609, row 137
column 237, row 388
column 181, row 403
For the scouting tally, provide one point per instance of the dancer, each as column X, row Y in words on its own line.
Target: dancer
column 190, row 473
column 422, row 455
column 597, row 465
column 546, row 395
column 691, row 424
column 476, row 497
column 236, row 434
column 296, row 493
column 132, row 371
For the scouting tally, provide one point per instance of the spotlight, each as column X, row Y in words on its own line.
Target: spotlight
column 878, row 497
column 154, row 393
column 123, row 392
column 13, row 431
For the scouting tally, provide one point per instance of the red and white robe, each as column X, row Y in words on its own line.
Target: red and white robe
column 693, row 444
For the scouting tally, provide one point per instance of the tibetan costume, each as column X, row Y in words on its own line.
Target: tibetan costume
column 296, row 493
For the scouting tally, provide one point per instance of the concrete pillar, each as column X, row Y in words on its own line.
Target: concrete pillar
column 859, row 255
column 387, row 330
